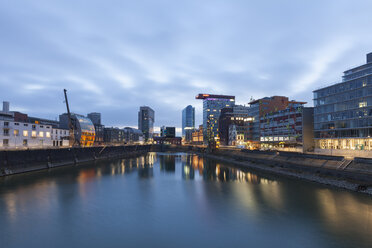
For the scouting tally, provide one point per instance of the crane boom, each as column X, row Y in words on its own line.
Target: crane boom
column 70, row 125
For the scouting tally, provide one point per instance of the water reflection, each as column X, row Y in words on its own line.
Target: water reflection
column 202, row 189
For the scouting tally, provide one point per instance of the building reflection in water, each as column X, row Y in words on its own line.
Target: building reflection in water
column 337, row 212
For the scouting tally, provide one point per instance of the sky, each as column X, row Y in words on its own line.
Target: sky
column 114, row 56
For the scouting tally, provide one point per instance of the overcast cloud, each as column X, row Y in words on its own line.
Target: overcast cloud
column 114, row 56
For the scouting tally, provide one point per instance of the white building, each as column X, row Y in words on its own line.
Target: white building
column 21, row 135
column 60, row 137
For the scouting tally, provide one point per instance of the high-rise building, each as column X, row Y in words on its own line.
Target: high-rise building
column 95, row 118
column 343, row 112
column 212, row 105
column 188, row 122
column 146, row 119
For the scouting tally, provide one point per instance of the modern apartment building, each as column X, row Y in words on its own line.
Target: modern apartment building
column 212, row 106
column 291, row 128
column 343, row 112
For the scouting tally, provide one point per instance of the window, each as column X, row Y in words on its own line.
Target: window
column 5, row 142
column 6, row 124
column 41, row 134
column 25, row 133
column 16, row 124
column 16, row 132
column 47, row 134
column 6, row 132
column 24, row 142
column 26, row 125
column 33, row 126
column 33, row 134
column 41, row 126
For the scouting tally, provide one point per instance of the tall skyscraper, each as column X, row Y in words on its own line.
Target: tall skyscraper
column 212, row 105
column 188, row 122
column 146, row 119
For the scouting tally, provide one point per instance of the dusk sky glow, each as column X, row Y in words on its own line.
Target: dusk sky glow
column 115, row 56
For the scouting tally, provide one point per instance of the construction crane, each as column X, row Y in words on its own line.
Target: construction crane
column 71, row 126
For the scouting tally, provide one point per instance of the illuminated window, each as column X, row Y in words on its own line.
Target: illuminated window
column 41, row 134
column 16, row 132
column 33, row 134
column 25, row 133
column 362, row 104
column 47, row 134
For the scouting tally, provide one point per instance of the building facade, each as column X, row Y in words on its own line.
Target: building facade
column 83, row 128
column 198, row 136
column 169, row 132
column 188, row 122
column 98, row 127
column 212, row 106
column 288, row 129
column 14, row 135
column 114, row 136
column 146, row 119
column 343, row 111
column 235, row 122
column 133, row 136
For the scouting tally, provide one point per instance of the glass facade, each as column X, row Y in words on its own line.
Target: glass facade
column 344, row 110
column 188, row 119
column 146, row 119
column 211, row 114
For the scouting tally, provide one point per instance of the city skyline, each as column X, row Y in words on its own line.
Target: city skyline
column 163, row 55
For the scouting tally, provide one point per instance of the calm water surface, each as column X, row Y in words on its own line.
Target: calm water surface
column 176, row 200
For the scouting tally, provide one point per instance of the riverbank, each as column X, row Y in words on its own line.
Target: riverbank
column 335, row 171
column 22, row 161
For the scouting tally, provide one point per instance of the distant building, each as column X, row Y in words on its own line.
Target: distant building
column 343, row 113
column 95, row 118
column 169, row 132
column 288, row 129
column 114, row 136
column 54, row 124
column 84, row 128
column 188, row 122
column 168, row 140
column 261, row 107
column 98, row 127
column 133, row 136
column 198, row 136
column 146, row 119
column 212, row 105
column 235, row 125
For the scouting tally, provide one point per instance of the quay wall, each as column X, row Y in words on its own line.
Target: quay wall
column 19, row 161
column 360, row 169
column 356, row 169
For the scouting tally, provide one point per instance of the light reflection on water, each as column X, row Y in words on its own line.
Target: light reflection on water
column 171, row 198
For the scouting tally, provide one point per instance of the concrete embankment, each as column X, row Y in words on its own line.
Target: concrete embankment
column 19, row 161
column 352, row 174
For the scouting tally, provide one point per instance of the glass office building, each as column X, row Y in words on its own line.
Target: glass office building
column 212, row 105
column 146, row 119
column 343, row 111
column 188, row 122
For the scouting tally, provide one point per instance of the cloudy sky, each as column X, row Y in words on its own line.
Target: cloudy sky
column 114, row 56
